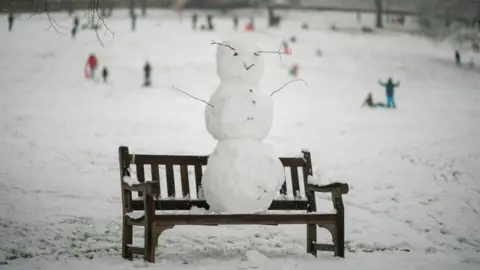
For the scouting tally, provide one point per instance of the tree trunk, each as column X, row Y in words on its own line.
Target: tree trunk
column 379, row 13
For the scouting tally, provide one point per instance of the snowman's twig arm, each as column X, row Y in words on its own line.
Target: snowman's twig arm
column 178, row 89
column 279, row 52
column 296, row 80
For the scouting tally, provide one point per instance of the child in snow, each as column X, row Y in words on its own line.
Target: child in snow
column 147, row 70
column 390, row 91
column 369, row 102
column 91, row 66
column 105, row 74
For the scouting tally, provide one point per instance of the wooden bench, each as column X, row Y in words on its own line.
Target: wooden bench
column 158, row 198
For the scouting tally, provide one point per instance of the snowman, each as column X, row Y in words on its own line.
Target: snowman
column 243, row 174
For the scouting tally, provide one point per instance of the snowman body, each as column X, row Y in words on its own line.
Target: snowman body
column 241, row 111
column 243, row 174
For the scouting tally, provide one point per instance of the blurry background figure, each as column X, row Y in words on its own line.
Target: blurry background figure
column 194, row 21
column 273, row 20
column 178, row 6
column 11, row 18
column 76, row 23
column 74, row 32
column 235, row 22
column 147, row 69
column 134, row 21
column 390, row 91
column 105, row 74
column 369, row 102
column 250, row 26
column 91, row 66
column 294, row 70
column 210, row 22
column 359, row 17
column 286, row 48
column 458, row 60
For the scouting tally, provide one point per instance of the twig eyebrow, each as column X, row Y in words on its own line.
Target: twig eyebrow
column 221, row 44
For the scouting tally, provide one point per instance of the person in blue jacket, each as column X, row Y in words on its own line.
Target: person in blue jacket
column 390, row 91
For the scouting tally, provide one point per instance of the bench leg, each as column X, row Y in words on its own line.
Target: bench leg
column 340, row 237
column 150, row 242
column 311, row 239
column 127, row 239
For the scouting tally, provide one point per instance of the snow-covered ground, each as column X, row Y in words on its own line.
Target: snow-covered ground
column 414, row 172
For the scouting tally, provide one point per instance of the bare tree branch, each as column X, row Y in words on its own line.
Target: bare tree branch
column 92, row 14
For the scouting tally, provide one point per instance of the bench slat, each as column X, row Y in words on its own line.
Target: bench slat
column 295, row 180
column 198, row 177
column 155, row 175
column 188, row 204
column 292, row 162
column 324, row 247
column 173, row 160
column 239, row 219
column 184, row 179
column 170, row 180
column 200, row 160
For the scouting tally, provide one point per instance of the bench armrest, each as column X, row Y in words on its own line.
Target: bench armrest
column 149, row 187
column 341, row 188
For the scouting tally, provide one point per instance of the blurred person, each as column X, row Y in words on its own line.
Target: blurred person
column 147, row 69
column 91, row 66
column 210, row 22
column 235, row 22
column 10, row 18
column 458, row 59
column 294, row 70
column 390, row 92
column 105, row 74
column 134, row 21
column 76, row 22
column 194, row 21
column 369, row 102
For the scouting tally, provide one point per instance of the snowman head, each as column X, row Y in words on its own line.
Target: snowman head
column 240, row 61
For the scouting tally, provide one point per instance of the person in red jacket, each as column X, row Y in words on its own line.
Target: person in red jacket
column 91, row 66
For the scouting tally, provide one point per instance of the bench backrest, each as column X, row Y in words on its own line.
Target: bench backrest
column 180, row 179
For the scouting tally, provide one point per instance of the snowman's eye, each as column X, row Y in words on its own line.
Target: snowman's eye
column 235, row 54
column 256, row 54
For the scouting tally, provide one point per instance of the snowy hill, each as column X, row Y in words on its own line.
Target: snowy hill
column 414, row 172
